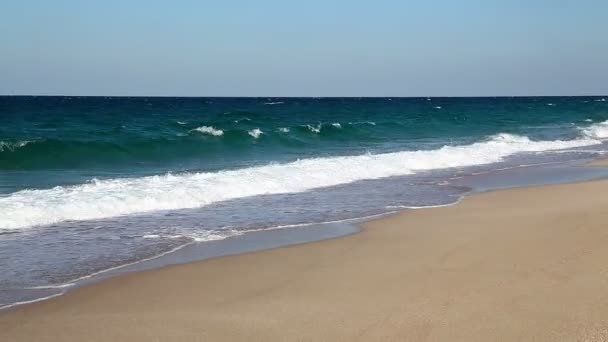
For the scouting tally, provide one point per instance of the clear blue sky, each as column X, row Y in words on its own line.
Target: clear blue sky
column 304, row 48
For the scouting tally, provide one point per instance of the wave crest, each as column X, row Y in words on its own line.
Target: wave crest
column 256, row 132
column 597, row 131
column 12, row 146
column 209, row 130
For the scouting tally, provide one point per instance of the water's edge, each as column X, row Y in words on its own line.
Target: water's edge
column 280, row 237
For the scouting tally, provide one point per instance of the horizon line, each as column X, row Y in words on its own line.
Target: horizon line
column 300, row 97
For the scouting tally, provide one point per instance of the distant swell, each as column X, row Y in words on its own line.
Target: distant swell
column 202, row 141
column 54, row 153
column 12, row 146
column 196, row 142
column 115, row 197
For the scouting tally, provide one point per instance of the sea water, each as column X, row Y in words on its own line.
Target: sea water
column 89, row 184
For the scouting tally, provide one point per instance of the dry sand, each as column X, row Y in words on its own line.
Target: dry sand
column 516, row 265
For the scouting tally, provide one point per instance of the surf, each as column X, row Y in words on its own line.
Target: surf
column 124, row 196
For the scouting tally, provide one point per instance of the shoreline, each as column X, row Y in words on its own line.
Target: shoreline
column 164, row 287
column 602, row 162
column 193, row 251
column 293, row 235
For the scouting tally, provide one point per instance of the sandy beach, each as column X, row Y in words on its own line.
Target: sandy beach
column 516, row 265
column 264, row 171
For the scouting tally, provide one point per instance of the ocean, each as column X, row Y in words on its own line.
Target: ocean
column 89, row 184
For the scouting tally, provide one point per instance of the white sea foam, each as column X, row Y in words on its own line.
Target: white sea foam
column 116, row 197
column 256, row 132
column 274, row 103
column 209, row 130
column 213, row 235
column 284, row 130
column 314, row 129
column 12, row 146
column 2, row 306
column 336, row 124
column 597, row 131
column 45, row 287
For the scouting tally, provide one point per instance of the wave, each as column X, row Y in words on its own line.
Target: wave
column 201, row 236
column 314, row 129
column 115, row 197
column 124, row 149
column 370, row 123
column 319, row 128
column 67, row 153
column 236, row 121
column 209, row 130
column 163, row 147
column 597, row 131
column 12, row 146
column 256, row 132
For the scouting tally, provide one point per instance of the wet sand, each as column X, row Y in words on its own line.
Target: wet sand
column 525, row 264
column 600, row 162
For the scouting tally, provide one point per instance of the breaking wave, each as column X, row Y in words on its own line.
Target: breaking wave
column 209, row 130
column 597, row 131
column 115, row 197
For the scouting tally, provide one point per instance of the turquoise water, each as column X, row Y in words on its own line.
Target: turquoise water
column 79, row 136
column 91, row 183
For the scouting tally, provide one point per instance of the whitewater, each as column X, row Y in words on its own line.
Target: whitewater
column 108, row 198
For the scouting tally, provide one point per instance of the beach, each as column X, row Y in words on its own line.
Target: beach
column 512, row 265
column 301, row 171
column 94, row 186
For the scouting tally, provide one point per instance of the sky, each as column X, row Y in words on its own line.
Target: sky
column 303, row 48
